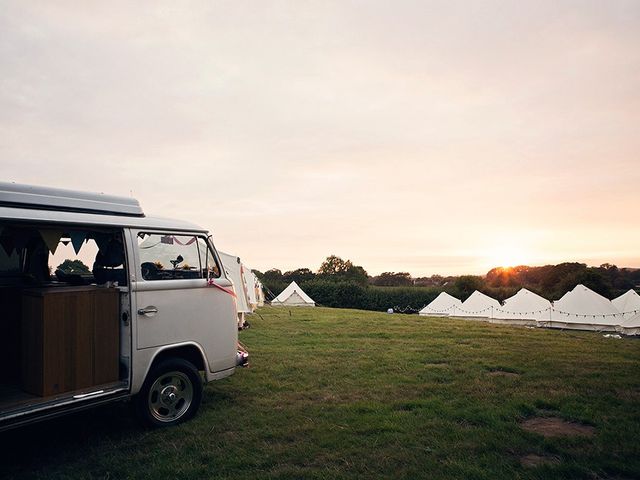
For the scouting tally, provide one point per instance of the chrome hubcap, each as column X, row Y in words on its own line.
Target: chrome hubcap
column 170, row 396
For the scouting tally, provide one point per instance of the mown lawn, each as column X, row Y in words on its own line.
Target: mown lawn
column 352, row 394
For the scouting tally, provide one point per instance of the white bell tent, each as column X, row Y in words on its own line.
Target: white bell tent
column 233, row 268
column 259, row 293
column 293, row 296
column 630, row 326
column 250, row 282
column 254, row 288
column 524, row 305
column 442, row 306
column 628, row 303
column 478, row 305
column 583, row 309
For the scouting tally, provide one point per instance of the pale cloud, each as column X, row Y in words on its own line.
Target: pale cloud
column 413, row 136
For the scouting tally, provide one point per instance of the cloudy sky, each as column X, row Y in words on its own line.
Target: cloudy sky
column 423, row 136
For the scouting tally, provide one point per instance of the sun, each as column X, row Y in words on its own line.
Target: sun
column 508, row 256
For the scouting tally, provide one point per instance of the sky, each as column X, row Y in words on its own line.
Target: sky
column 433, row 137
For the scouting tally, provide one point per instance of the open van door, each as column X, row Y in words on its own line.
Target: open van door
column 182, row 296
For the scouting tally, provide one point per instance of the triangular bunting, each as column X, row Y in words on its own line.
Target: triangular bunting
column 77, row 239
column 51, row 238
column 7, row 244
column 102, row 240
column 21, row 238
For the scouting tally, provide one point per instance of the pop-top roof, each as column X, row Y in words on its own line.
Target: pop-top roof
column 46, row 198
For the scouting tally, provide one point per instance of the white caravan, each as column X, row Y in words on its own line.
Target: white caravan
column 102, row 303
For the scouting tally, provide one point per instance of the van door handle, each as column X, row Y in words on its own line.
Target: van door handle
column 148, row 311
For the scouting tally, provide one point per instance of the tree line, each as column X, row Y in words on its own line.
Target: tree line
column 340, row 283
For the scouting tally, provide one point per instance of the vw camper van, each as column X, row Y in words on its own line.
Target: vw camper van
column 100, row 303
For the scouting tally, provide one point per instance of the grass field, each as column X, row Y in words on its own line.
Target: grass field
column 352, row 394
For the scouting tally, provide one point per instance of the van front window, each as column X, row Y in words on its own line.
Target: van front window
column 169, row 256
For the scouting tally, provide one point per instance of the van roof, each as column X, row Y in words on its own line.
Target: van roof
column 47, row 198
column 44, row 204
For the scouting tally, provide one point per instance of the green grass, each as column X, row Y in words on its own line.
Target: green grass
column 351, row 394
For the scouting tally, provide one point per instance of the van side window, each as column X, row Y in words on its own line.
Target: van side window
column 169, row 256
column 61, row 255
column 9, row 262
column 210, row 268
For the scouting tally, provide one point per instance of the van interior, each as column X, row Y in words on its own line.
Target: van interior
column 64, row 298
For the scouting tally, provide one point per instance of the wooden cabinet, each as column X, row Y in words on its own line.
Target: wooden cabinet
column 69, row 339
column 10, row 333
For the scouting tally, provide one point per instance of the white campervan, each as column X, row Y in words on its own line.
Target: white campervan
column 102, row 303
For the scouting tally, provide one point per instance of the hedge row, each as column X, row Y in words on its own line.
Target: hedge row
column 353, row 295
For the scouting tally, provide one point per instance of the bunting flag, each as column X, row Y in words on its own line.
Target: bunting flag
column 190, row 242
column 51, row 238
column 102, row 240
column 7, row 244
column 77, row 239
column 21, row 238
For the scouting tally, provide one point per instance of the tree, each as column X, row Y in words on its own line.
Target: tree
column 73, row 267
column 300, row 275
column 334, row 265
column 357, row 274
column 336, row 269
column 272, row 275
column 391, row 279
column 466, row 284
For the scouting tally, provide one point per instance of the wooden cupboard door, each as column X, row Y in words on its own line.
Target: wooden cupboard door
column 31, row 347
column 106, row 338
column 70, row 339
column 79, row 317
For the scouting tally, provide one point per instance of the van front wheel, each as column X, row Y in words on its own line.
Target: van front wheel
column 171, row 394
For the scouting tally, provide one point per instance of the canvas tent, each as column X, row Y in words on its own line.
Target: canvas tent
column 255, row 291
column 583, row 309
column 259, row 293
column 524, row 305
column 628, row 303
column 478, row 305
column 233, row 268
column 293, row 296
column 630, row 326
column 250, row 282
column 443, row 305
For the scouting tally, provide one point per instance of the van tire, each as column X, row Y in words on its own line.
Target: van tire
column 171, row 394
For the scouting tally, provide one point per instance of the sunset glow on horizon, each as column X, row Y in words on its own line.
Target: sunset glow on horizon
column 423, row 137
column 508, row 256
